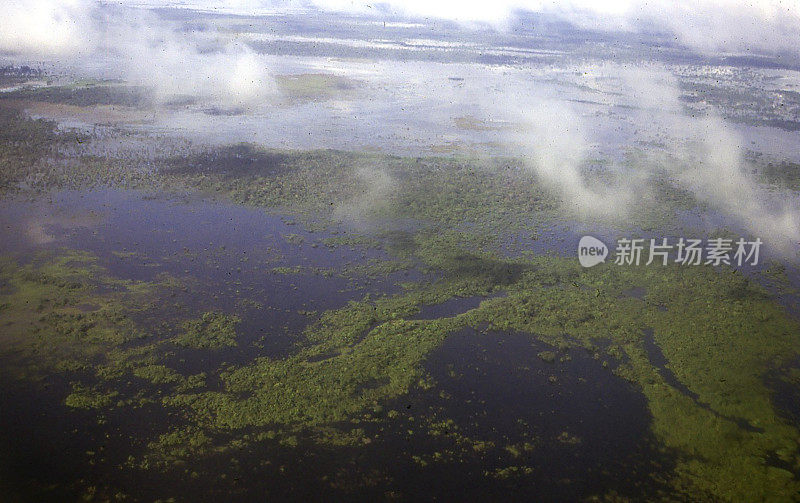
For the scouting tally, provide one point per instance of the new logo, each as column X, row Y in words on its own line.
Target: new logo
column 591, row 251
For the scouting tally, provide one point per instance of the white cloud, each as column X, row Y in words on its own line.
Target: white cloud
column 137, row 46
column 702, row 154
column 47, row 27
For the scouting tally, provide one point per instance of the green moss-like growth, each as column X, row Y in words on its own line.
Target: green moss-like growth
column 89, row 398
column 213, row 330
column 547, row 356
column 176, row 447
column 719, row 333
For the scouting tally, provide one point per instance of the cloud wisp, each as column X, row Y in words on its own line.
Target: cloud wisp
column 139, row 47
column 702, row 154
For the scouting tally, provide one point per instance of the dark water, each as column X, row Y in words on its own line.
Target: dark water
column 588, row 431
column 227, row 252
column 786, row 395
column 450, row 307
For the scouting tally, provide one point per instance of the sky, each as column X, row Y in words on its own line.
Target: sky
column 709, row 26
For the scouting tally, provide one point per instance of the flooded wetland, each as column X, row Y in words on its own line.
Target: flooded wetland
column 321, row 254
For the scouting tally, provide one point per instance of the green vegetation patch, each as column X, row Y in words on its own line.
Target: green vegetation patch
column 84, row 94
column 212, row 331
column 720, row 335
